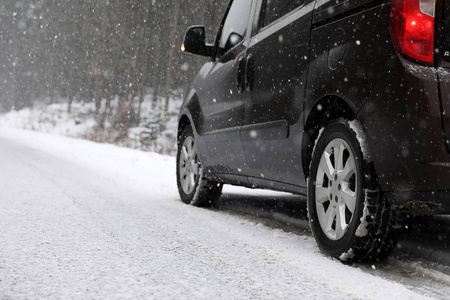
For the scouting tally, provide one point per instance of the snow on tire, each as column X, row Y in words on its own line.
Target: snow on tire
column 192, row 186
column 349, row 216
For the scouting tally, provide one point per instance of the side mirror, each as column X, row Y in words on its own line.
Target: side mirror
column 195, row 41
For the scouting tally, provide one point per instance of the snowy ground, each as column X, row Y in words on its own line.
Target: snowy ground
column 81, row 220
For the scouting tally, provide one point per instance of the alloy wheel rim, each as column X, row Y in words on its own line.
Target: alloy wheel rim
column 189, row 165
column 336, row 189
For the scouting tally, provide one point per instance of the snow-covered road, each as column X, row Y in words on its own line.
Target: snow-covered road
column 80, row 220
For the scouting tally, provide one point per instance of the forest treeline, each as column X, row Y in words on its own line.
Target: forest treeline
column 94, row 50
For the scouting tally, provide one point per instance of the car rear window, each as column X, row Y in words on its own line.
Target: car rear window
column 275, row 9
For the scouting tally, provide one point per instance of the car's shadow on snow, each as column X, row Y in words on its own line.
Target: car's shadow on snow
column 428, row 238
column 284, row 211
column 423, row 238
column 421, row 260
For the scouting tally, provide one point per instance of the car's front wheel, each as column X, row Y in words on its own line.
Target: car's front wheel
column 349, row 216
column 192, row 186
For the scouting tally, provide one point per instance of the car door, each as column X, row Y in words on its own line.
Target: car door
column 221, row 103
column 277, row 64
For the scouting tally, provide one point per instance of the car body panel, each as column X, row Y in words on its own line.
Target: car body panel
column 306, row 62
column 215, row 101
column 443, row 64
column 329, row 9
column 280, row 54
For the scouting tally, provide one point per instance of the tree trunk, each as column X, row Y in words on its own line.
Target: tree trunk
column 170, row 66
column 141, row 99
column 69, row 108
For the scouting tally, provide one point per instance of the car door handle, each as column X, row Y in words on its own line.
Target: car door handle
column 242, row 62
column 249, row 73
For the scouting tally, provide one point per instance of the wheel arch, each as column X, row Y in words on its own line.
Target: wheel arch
column 183, row 122
column 323, row 112
column 190, row 115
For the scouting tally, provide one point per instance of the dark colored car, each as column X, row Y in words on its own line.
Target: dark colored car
column 345, row 101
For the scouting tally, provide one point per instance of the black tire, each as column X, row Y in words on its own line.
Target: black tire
column 193, row 188
column 367, row 230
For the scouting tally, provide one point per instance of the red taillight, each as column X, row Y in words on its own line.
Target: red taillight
column 412, row 25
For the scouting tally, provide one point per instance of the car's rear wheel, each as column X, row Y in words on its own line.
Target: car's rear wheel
column 192, row 186
column 349, row 216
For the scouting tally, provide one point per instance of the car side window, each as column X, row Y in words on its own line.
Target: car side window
column 275, row 9
column 235, row 26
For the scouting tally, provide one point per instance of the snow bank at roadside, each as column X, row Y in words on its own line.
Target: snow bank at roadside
column 155, row 132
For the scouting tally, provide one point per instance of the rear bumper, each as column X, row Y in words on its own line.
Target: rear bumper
column 405, row 131
column 408, row 142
